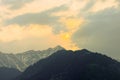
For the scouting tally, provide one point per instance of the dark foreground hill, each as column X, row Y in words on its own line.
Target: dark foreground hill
column 8, row 73
column 77, row 65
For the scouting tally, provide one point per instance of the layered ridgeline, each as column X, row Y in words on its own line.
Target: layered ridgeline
column 73, row 65
column 21, row 61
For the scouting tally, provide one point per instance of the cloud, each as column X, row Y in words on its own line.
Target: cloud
column 71, row 24
column 15, row 4
column 42, row 18
column 16, row 32
column 24, row 29
column 36, row 18
column 34, row 36
column 14, row 38
column 33, row 18
column 104, row 4
column 74, row 8
column 35, row 6
column 101, row 33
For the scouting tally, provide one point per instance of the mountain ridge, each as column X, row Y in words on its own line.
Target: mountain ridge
column 21, row 61
column 73, row 65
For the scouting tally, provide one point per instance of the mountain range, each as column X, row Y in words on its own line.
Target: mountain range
column 73, row 65
column 21, row 61
column 58, row 64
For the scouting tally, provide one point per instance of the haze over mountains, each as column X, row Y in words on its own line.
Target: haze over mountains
column 22, row 60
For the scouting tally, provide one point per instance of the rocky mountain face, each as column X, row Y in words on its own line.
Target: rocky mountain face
column 21, row 61
column 73, row 65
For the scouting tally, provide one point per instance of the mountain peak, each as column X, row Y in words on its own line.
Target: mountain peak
column 85, row 50
column 59, row 48
column 29, row 51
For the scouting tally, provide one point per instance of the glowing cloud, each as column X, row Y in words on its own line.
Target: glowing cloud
column 72, row 25
column 15, row 32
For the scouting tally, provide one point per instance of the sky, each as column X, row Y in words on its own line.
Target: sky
column 73, row 24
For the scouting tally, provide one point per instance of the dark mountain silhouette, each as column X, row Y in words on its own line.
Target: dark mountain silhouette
column 73, row 65
column 8, row 73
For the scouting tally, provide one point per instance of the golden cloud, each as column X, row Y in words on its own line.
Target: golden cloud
column 16, row 32
column 72, row 25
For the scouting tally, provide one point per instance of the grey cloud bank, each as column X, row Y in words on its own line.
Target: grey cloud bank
column 101, row 34
column 15, row 4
